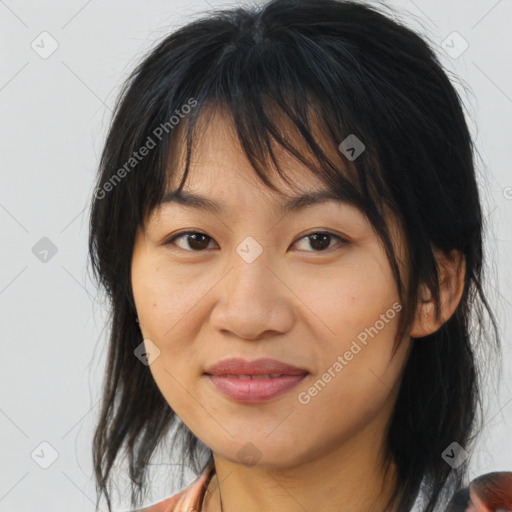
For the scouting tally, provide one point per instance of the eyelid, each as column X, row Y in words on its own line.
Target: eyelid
column 344, row 240
column 172, row 238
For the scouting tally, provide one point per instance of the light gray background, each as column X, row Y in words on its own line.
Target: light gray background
column 54, row 116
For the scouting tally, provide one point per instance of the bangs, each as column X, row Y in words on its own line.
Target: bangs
column 284, row 95
column 278, row 136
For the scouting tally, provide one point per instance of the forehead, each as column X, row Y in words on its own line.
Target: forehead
column 222, row 181
column 217, row 155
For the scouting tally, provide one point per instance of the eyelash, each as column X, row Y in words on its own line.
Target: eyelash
column 332, row 235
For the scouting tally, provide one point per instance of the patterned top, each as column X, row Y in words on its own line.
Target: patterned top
column 189, row 499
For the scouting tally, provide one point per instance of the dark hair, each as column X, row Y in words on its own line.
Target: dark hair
column 459, row 501
column 494, row 489
column 360, row 73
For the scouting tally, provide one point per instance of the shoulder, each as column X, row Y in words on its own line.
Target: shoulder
column 187, row 500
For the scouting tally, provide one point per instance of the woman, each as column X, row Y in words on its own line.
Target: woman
column 288, row 226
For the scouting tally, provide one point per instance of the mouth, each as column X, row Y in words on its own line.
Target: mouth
column 255, row 381
column 265, row 368
column 252, row 377
column 254, row 388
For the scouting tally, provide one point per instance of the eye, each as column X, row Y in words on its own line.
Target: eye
column 196, row 241
column 321, row 240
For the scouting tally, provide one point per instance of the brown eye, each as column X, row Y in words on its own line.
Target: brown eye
column 321, row 240
column 194, row 240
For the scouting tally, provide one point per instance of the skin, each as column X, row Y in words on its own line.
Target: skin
column 293, row 303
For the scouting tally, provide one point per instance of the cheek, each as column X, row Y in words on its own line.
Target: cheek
column 165, row 298
column 344, row 405
column 359, row 305
column 165, row 306
column 170, row 306
column 350, row 297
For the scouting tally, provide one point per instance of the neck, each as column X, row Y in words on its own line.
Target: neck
column 351, row 479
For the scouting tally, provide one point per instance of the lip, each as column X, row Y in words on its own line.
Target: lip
column 223, row 375
column 255, row 390
column 239, row 366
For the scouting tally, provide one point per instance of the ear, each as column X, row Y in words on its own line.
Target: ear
column 451, row 269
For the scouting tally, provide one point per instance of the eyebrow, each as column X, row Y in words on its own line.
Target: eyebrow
column 307, row 199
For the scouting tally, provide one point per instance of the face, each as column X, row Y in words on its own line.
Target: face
column 253, row 285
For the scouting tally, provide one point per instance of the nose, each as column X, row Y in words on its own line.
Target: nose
column 252, row 301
